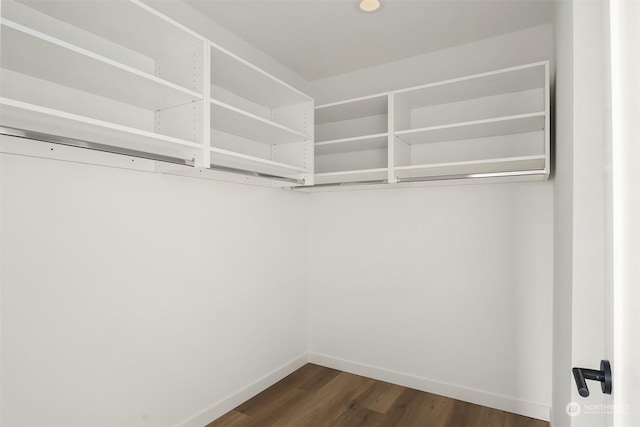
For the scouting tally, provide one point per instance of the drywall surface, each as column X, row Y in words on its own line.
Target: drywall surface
column 522, row 47
column 446, row 288
column 140, row 299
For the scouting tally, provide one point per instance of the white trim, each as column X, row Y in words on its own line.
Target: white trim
column 479, row 397
column 547, row 120
column 240, row 396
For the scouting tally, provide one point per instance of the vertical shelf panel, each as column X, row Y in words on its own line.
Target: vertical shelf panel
column 257, row 120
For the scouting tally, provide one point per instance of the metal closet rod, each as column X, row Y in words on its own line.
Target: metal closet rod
column 256, row 174
column 433, row 178
column 79, row 143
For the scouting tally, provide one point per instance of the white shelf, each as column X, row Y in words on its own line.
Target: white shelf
column 356, row 143
column 509, row 80
column 42, row 119
column 130, row 23
column 350, row 176
column 244, row 79
column 236, row 160
column 508, row 164
column 238, row 122
column 351, row 109
column 520, row 123
column 36, row 54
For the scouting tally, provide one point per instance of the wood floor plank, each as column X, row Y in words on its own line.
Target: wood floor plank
column 271, row 399
column 230, row 419
column 315, row 396
column 358, row 417
column 438, row 409
column 310, row 377
column 381, row 396
column 515, row 420
column 417, row 408
column 464, row 414
column 335, row 398
column 284, row 415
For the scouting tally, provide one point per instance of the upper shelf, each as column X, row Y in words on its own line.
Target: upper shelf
column 244, row 79
column 128, row 23
column 475, row 129
column 238, row 122
column 357, row 143
column 30, row 52
column 23, row 115
column 516, row 79
column 351, row 109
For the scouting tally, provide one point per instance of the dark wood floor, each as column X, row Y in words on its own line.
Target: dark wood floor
column 315, row 396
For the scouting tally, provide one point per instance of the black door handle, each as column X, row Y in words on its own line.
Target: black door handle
column 603, row 375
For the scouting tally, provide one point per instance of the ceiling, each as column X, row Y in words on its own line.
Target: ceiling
column 322, row 38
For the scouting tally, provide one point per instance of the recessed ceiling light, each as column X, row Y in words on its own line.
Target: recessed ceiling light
column 369, row 5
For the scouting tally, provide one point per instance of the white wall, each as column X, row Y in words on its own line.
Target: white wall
column 447, row 289
column 131, row 298
column 445, row 285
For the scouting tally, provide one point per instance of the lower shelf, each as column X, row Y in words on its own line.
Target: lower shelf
column 351, row 176
column 32, row 117
column 238, row 122
column 237, row 160
column 508, row 164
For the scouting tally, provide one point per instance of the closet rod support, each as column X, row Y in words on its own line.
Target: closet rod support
column 79, row 143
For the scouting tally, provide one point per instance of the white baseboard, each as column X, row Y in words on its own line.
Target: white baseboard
column 228, row 403
column 504, row 403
